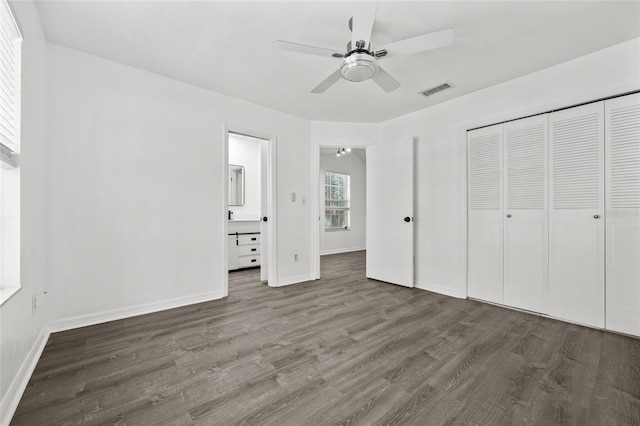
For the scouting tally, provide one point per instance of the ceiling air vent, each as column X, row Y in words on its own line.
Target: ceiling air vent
column 429, row 92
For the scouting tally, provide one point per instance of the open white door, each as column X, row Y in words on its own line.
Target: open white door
column 390, row 211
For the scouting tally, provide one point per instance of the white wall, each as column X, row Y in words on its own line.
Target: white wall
column 353, row 164
column 136, row 188
column 247, row 152
column 326, row 133
column 441, row 148
column 21, row 331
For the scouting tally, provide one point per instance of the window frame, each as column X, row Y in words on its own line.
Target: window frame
column 10, row 135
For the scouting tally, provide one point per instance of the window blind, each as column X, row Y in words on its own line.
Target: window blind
column 10, row 58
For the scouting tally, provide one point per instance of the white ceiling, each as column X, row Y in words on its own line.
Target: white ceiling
column 226, row 46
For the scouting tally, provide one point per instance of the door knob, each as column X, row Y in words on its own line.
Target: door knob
column 509, row 215
column 407, row 219
column 264, row 219
column 596, row 216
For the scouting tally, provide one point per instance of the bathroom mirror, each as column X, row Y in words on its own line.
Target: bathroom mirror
column 236, row 185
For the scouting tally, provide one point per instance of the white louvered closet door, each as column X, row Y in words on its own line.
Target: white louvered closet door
column 485, row 222
column 525, row 224
column 576, row 214
column 622, row 149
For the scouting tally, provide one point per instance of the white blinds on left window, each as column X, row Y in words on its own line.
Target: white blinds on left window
column 10, row 46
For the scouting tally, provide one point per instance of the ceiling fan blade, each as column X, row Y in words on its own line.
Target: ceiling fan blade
column 362, row 23
column 384, row 80
column 303, row 48
column 327, row 82
column 419, row 43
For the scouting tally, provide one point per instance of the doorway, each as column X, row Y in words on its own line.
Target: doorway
column 249, row 205
column 389, row 209
column 342, row 200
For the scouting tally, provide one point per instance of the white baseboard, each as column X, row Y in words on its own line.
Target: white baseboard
column 11, row 396
column 342, row 250
column 132, row 311
column 438, row 288
column 294, row 280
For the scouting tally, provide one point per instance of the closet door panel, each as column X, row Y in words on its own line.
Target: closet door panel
column 622, row 145
column 526, row 214
column 485, row 222
column 576, row 214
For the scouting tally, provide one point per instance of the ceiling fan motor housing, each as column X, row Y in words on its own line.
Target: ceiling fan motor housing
column 359, row 67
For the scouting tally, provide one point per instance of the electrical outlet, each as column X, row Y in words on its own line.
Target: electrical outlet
column 34, row 304
column 295, row 257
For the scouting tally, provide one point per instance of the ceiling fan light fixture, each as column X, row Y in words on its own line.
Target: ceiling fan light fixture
column 359, row 67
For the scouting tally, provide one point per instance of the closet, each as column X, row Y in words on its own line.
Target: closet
column 553, row 203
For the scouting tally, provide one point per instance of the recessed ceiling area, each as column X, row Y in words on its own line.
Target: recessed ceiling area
column 227, row 46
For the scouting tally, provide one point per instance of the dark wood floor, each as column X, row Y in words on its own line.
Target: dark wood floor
column 340, row 351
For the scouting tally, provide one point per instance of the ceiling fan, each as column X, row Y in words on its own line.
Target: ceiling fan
column 360, row 62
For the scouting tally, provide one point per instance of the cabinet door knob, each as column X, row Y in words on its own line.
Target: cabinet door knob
column 596, row 216
column 407, row 219
column 509, row 215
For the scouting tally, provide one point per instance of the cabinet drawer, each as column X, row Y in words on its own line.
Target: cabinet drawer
column 247, row 261
column 248, row 239
column 248, row 250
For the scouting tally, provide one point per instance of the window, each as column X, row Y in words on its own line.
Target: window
column 10, row 58
column 10, row 47
column 336, row 201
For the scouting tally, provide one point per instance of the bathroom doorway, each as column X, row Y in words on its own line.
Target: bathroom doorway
column 250, row 210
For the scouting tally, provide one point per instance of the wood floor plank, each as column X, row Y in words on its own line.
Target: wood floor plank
column 343, row 350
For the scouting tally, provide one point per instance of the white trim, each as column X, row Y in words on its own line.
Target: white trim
column 13, row 393
column 342, row 250
column 441, row 289
column 132, row 311
column 7, row 293
column 295, row 280
column 272, row 223
column 314, row 212
column 225, row 207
